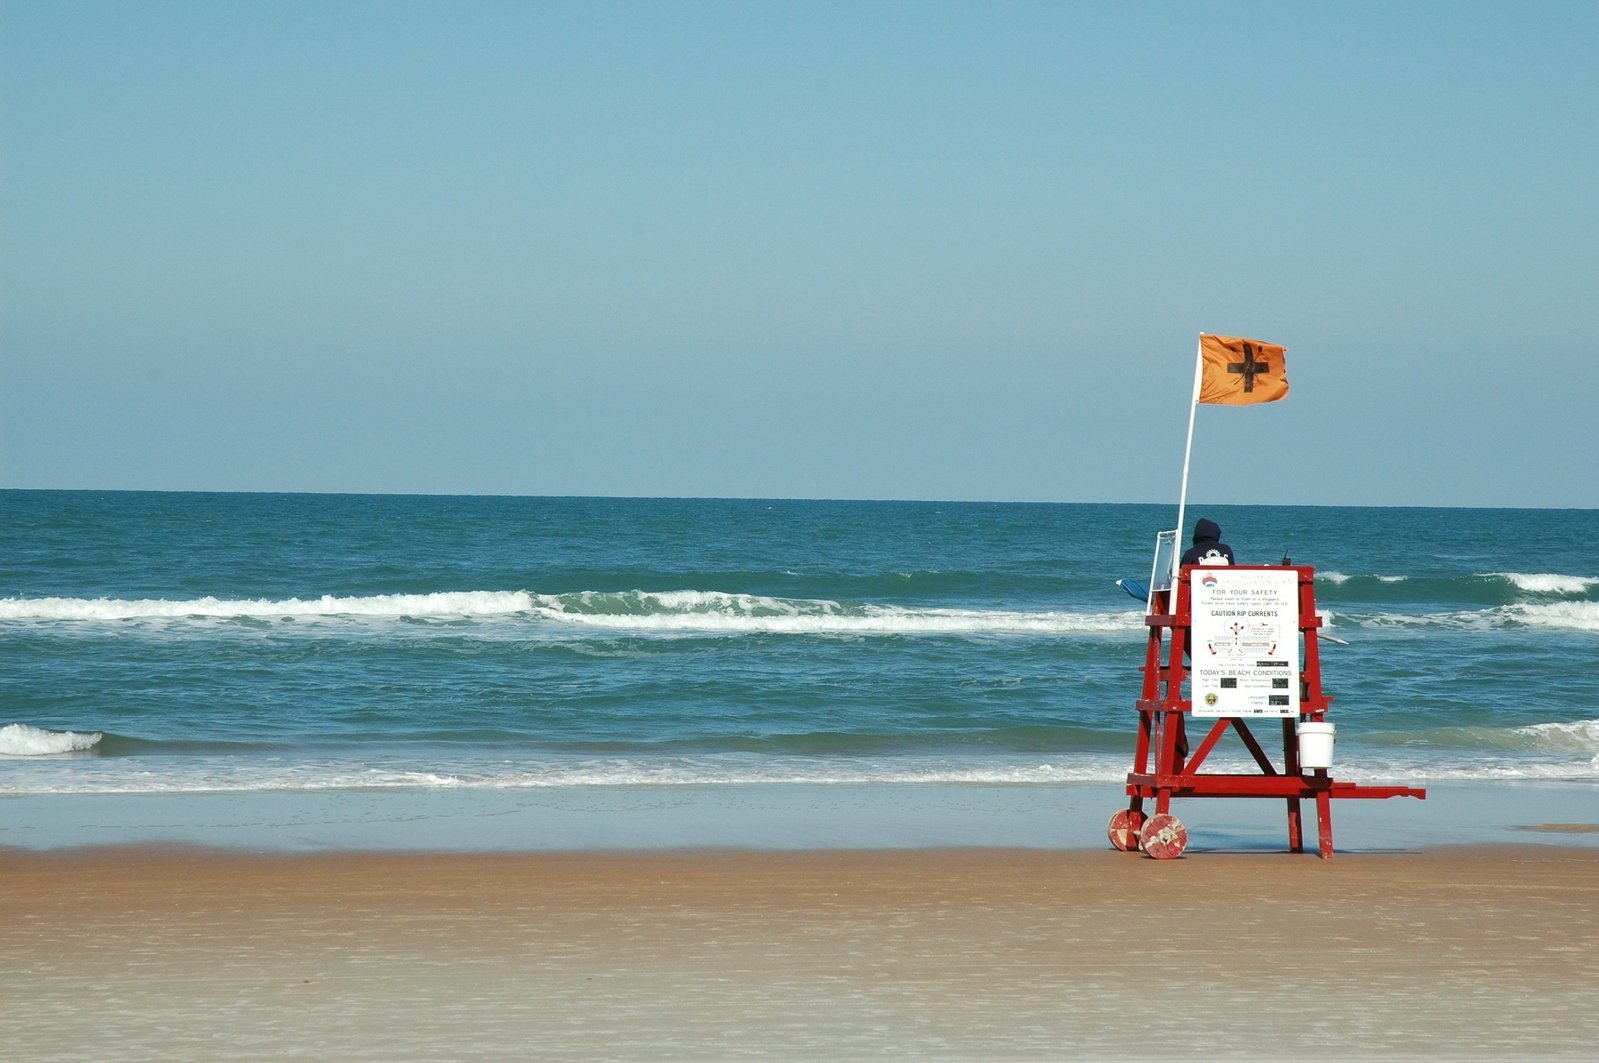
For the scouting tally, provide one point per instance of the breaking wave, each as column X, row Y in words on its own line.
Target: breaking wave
column 1554, row 616
column 1553, row 751
column 21, row 740
column 645, row 611
column 1481, row 588
column 447, row 604
column 1549, row 582
column 717, row 611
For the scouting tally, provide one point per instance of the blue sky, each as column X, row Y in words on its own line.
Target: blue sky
column 874, row 250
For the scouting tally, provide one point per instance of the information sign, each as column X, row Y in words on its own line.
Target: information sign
column 1245, row 652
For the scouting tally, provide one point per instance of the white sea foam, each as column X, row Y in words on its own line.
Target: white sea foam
column 1527, row 582
column 1567, row 616
column 1558, row 616
column 1581, row 736
column 658, row 611
column 1549, row 582
column 1416, row 770
column 710, row 611
column 21, row 740
column 1330, row 576
column 446, row 604
column 718, row 612
column 216, row 776
column 1551, row 752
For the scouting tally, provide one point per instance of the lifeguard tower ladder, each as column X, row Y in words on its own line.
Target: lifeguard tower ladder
column 1240, row 675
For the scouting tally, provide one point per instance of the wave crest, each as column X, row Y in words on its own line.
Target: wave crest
column 442, row 604
column 21, row 740
column 1581, row 736
column 648, row 611
column 1548, row 582
column 1555, row 616
column 714, row 611
column 1567, row 616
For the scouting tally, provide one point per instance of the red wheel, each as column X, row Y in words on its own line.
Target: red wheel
column 1123, row 829
column 1164, row 837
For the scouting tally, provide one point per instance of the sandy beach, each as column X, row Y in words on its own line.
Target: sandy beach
column 190, row 954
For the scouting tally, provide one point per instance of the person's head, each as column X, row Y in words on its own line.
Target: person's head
column 1206, row 531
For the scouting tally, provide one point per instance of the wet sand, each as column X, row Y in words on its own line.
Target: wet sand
column 152, row 953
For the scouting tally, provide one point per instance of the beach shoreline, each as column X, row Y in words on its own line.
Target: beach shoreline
column 176, row 952
column 771, row 816
column 791, row 922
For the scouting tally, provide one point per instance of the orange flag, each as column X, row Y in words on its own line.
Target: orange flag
column 1239, row 372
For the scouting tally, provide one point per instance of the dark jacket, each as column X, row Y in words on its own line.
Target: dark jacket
column 1208, row 549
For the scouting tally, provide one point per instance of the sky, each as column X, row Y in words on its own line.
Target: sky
column 818, row 250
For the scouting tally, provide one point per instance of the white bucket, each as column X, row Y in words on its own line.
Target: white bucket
column 1316, row 744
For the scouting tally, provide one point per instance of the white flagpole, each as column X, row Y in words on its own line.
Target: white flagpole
column 1188, row 450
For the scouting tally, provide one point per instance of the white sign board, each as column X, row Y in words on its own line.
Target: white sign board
column 1245, row 649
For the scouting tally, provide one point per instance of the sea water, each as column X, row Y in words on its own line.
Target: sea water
column 504, row 653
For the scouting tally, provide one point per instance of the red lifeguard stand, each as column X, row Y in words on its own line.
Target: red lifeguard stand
column 1241, row 670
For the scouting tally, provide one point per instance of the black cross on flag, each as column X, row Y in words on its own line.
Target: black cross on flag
column 1240, row 372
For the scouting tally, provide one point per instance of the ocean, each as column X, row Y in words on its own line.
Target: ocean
column 558, row 652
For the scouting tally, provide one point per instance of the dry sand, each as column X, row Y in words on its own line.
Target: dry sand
column 122, row 954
